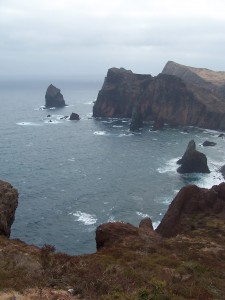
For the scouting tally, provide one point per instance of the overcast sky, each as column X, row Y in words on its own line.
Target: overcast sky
column 72, row 38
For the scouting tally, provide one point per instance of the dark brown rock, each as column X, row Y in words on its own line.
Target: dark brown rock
column 136, row 119
column 74, row 116
column 193, row 161
column 53, row 97
column 164, row 97
column 208, row 143
column 8, row 205
column 125, row 235
column 190, row 206
column 158, row 124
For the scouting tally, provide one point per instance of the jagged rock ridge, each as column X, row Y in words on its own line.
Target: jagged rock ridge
column 164, row 97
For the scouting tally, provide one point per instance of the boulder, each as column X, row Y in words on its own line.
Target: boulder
column 208, row 143
column 136, row 119
column 8, row 205
column 53, row 97
column 190, row 206
column 221, row 135
column 193, row 161
column 118, row 234
column 74, row 116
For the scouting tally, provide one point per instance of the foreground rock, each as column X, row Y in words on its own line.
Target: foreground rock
column 8, row 205
column 164, row 97
column 74, row 116
column 193, row 161
column 190, row 206
column 120, row 234
column 53, row 97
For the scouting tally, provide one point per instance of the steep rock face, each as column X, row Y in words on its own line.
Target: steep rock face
column 136, row 119
column 193, row 161
column 119, row 94
column 8, row 205
column 190, row 206
column 125, row 235
column 208, row 79
column 53, row 97
column 164, row 97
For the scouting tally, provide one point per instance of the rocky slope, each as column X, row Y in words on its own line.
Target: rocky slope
column 183, row 259
column 164, row 97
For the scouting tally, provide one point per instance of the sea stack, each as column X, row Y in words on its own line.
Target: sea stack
column 8, row 205
column 53, row 97
column 193, row 161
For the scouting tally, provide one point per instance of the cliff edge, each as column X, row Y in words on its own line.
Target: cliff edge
column 177, row 96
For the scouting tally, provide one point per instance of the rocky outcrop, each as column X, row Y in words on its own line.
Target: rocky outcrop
column 8, row 205
column 136, row 119
column 74, row 116
column 208, row 144
column 193, row 161
column 125, row 235
column 164, row 97
column 190, row 206
column 53, row 97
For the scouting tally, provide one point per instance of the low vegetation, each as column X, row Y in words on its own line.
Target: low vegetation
column 190, row 266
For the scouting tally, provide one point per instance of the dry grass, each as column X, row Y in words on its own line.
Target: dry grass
column 190, row 266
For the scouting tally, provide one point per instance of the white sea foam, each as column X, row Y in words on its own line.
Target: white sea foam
column 125, row 134
column 28, row 124
column 85, row 218
column 117, row 126
column 100, row 133
column 142, row 215
column 155, row 224
column 170, row 166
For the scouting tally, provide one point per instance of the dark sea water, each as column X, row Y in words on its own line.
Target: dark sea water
column 74, row 175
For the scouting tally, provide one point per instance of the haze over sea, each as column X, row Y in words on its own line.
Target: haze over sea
column 74, row 175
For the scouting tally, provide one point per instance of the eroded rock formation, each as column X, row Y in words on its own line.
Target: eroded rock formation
column 8, row 205
column 190, row 206
column 53, row 97
column 193, row 161
column 164, row 97
column 118, row 234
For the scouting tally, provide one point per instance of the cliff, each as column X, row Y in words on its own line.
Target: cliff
column 8, row 205
column 184, row 258
column 165, row 97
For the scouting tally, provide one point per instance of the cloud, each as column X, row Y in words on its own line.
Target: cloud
column 92, row 35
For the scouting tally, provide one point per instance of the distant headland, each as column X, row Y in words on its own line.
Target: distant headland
column 180, row 95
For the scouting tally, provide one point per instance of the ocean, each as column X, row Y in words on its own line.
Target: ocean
column 74, row 175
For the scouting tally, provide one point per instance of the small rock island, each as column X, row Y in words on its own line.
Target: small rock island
column 53, row 97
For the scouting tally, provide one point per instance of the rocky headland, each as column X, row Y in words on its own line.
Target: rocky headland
column 184, row 258
column 53, row 97
column 179, row 95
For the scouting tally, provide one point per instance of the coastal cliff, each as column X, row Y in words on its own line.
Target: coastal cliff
column 166, row 97
column 184, row 258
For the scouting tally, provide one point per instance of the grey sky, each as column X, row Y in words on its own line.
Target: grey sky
column 72, row 38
